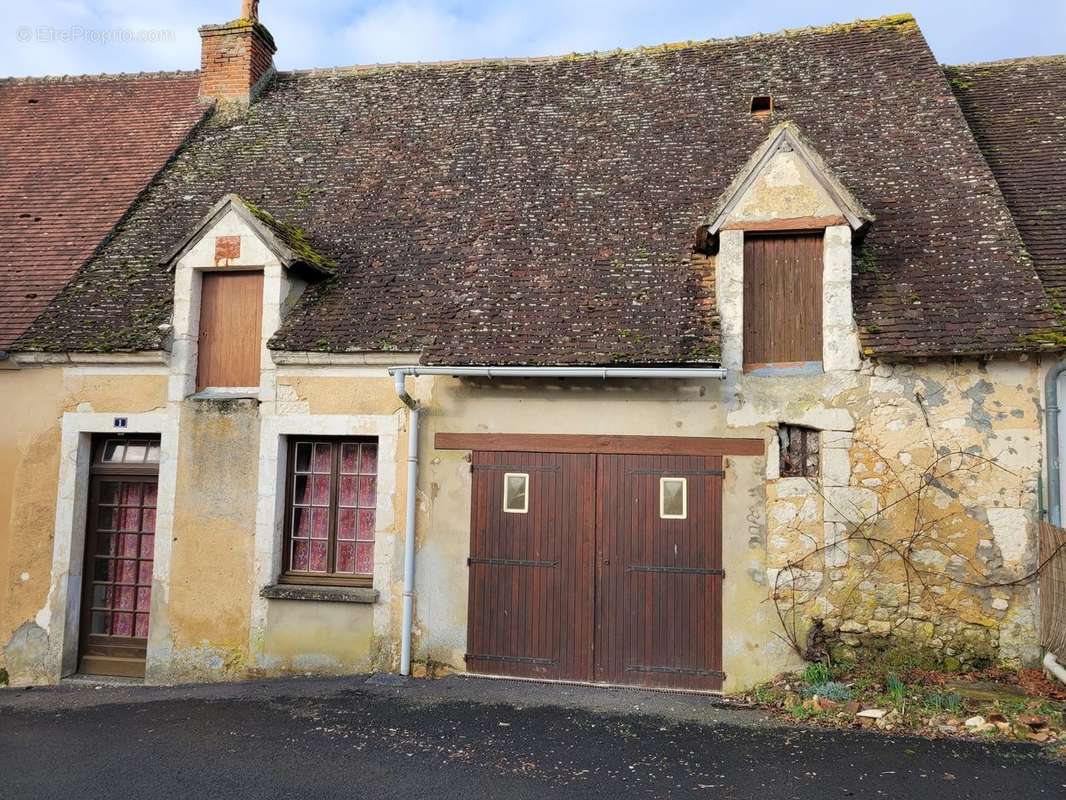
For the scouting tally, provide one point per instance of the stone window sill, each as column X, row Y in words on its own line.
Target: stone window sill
column 231, row 393
column 329, row 594
column 784, row 370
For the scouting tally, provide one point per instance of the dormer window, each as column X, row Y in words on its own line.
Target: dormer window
column 782, row 300
column 235, row 274
column 784, row 231
column 231, row 320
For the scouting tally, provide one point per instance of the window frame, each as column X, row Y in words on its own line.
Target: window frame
column 754, row 362
column 807, row 452
column 525, row 507
column 330, row 578
column 662, row 497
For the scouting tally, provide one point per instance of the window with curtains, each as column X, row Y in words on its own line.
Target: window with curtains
column 330, row 511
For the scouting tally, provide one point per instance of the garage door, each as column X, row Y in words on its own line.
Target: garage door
column 531, row 586
column 597, row 567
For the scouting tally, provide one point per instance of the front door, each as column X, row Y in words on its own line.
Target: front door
column 119, row 547
column 597, row 567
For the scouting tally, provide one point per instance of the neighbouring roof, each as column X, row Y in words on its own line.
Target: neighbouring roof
column 544, row 211
column 285, row 241
column 1017, row 110
column 74, row 154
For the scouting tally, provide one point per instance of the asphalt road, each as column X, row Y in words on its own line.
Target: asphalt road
column 467, row 738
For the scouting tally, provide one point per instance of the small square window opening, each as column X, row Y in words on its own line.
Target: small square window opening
column 799, row 451
column 762, row 104
column 673, row 498
column 516, row 493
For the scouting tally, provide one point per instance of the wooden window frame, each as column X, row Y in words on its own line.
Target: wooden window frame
column 144, row 467
column 329, row 578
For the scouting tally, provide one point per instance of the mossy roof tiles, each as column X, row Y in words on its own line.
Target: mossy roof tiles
column 544, row 211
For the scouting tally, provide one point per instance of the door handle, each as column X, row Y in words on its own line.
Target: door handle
column 606, row 562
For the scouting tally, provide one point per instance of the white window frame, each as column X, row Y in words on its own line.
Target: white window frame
column 662, row 498
column 506, row 479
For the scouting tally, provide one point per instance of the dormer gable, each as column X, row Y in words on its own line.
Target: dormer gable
column 287, row 243
column 786, row 183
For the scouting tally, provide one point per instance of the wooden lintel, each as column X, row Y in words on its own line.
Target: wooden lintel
column 591, row 443
column 790, row 224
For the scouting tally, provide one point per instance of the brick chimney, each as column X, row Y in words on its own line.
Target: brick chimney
column 236, row 59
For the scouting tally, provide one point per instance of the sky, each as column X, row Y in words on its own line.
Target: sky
column 57, row 37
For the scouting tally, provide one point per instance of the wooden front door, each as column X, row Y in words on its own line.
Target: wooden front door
column 119, row 548
column 599, row 578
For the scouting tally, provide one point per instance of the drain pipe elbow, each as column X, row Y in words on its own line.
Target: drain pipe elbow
column 409, row 526
column 1052, row 665
column 1051, row 421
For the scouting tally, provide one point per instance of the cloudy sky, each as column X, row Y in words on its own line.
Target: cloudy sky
column 85, row 36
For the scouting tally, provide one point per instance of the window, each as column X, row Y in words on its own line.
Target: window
column 782, row 300
column 673, row 498
column 516, row 493
column 130, row 451
column 799, row 451
column 330, row 511
column 229, row 347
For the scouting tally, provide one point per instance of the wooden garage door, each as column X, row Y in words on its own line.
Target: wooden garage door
column 659, row 575
column 530, row 609
column 592, row 582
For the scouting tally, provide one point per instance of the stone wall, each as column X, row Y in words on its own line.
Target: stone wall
column 923, row 517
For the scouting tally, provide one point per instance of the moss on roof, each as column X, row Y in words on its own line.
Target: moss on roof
column 292, row 237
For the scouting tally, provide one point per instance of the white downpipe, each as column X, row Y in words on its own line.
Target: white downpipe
column 400, row 375
column 409, row 528
column 1052, row 665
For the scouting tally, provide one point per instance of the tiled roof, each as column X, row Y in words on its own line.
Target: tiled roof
column 1017, row 110
column 544, row 211
column 74, row 154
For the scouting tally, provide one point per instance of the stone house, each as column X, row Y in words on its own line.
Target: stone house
column 663, row 367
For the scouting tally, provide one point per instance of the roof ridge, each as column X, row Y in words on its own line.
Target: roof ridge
column 1008, row 61
column 24, row 79
column 892, row 21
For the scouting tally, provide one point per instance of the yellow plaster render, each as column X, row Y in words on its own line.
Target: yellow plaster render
column 32, row 402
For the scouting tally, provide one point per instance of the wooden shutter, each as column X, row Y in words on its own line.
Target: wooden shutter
column 231, row 321
column 782, row 299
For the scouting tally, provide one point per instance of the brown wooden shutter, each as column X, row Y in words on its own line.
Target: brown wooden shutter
column 782, row 299
column 231, row 321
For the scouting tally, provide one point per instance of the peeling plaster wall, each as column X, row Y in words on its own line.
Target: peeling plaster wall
column 882, row 428
column 784, row 189
column 32, row 401
column 211, row 559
